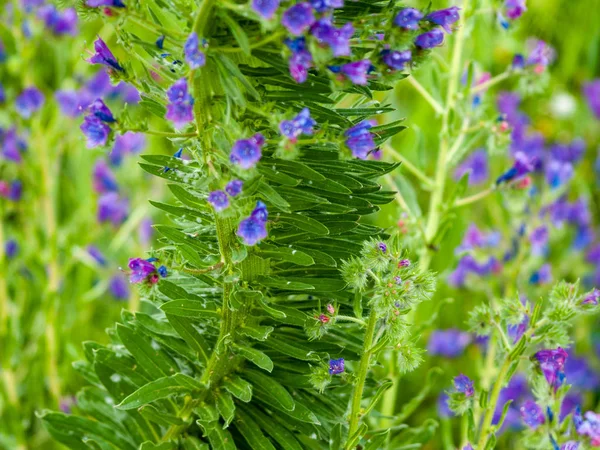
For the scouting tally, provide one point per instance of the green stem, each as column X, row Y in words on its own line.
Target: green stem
column 491, row 82
column 351, row 319
column 165, row 133
column 409, row 166
column 441, row 172
column 3, row 288
column 473, row 198
column 363, row 370
column 489, row 414
column 426, row 95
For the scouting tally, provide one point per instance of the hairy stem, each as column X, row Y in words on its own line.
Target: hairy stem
column 363, row 370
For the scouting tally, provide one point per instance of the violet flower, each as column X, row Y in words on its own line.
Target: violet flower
column 104, row 56
column 515, row 8
column 234, row 188
column 254, row 228
column 265, row 8
column 337, row 39
column 322, row 6
column 591, row 91
column 11, row 248
column 12, row 146
column 128, row 143
column 299, row 125
column 99, row 109
column 360, row 140
column 118, row 287
column 180, row 108
column 408, row 18
column 191, row 50
column 590, row 427
column 464, row 384
column 298, row 18
column 247, row 152
column 29, row 101
column 301, row 59
column 450, row 343
column 541, row 54
column 112, row 208
column 444, row 17
column 476, row 165
column 95, row 131
column 59, row 22
column 108, row 3
column 522, row 166
column 336, row 366
column 532, row 414
column 218, row 200
column 104, row 178
column 96, row 254
column 396, row 60
column 141, row 269
column 430, row 39
column 552, row 363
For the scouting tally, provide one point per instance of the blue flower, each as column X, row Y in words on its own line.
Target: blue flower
column 254, row 228
column 301, row 124
column 301, row 59
column 95, row 131
column 193, row 55
column 360, row 140
column 444, row 17
column 532, row 414
column 112, row 208
column 234, row 187
column 395, row 59
column 118, row 287
column 450, row 343
column 430, row 39
column 29, row 101
column 463, row 383
column 265, row 8
column 104, row 56
column 298, row 18
column 541, row 276
column 162, row 271
column 218, row 200
column 336, row 366
column 326, row 5
column 101, row 111
column 104, row 178
column 109, row 3
column 522, row 166
column 11, row 248
column 247, row 152
column 180, row 108
column 408, row 18
column 338, row 39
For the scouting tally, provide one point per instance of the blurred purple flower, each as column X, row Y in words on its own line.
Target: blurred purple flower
column 338, row 39
column 298, row 18
column 234, row 187
column 29, row 101
column 591, row 91
column 12, row 145
column 109, row 3
column 325, row 5
column 581, row 374
column 464, row 384
column 95, row 131
column 443, row 409
column 541, row 276
column 300, row 60
column 112, row 208
column 539, row 239
column 541, row 54
column 590, row 426
column 193, row 55
column 475, row 238
column 11, row 247
column 450, row 343
column 532, row 414
column 396, row 60
column 218, row 200
column 301, row 124
column 96, row 254
column 180, row 108
column 128, row 143
column 591, row 298
column 104, row 178
column 247, row 152
column 515, row 8
column 59, row 22
column 118, row 287
column 265, row 8
column 145, row 231
column 522, row 166
column 408, row 18
column 356, row 71
column 476, row 165
column 254, row 228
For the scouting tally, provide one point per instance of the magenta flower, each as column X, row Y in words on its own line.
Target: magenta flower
column 104, row 56
column 141, row 269
column 336, row 366
column 444, row 17
column 298, row 18
column 552, row 363
column 247, row 152
column 515, row 8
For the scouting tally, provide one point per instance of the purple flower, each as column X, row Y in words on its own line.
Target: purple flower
column 99, row 84
column 11, row 247
column 516, row 391
column 193, row 55
column 301, row 124
column 104, row 56
column 591, row 91
column 590, row 427
column 539, row 239
column 247, row 152
column 336, row 366
column 96, row 254
column 522, row 166
column 338, row 39
column 104, row 178
column 541, row 54
column 515, row 8
column 95, row 131
column 381, row 246
column 118, row 287
column 444, row 17
column 476, row 165
column 360, row 140
column 29, row 101
column 162, row 271
column 254, row 228
column 2, row 93
column 126, row 92
column 12, row 145
column 58, row 22
column 109, row 3
column 403, row 263
column 442, row 406
column 127, row 143
column 326, row 5
column 298, row 18
column 475, row 238
column 591, row 298
column 570, row 445
column 515, row 332
column 218, row 200
column 579, row 373
column 179, row 110
column 300, row 60
column 265, row 8
column 463, row 383
column 69, row 102
column 101, row 111
column 558, row 173
column 234, row 187
column 112, row 208
column 408, row 18
column 395, row 59
column 145, row 231
column 468, row 264
column 12, row 191
column 532, row 414
column 542, row 276
column 450, row 343
column 552, row 363
column 572, row 152
column 430, row 39
column 141, row 269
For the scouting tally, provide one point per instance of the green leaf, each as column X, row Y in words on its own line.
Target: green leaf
column 225, row 406
column 271, row 196
column 292, row 348
column 285, row 254
column 412, row 405
column 335, row 439
column 271, row 387
column 239, row 388
column 258, row 332
column 190, row 308
column 161, row 388
column 233, row 70
column 279, row 433
column 377, row 441
column 255, row 356
column 300, row 412
column 190, row 335
column 503, row 415
column 220, row 439
column 251, row 432
column 208, row 416
column 375, row 399
column 305, row 223
column 238, row 32
column 193, row 443
column 149, row 445
column 159, row 417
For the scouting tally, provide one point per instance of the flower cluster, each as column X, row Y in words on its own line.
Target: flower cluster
column 144, row 270
column 220, row 199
